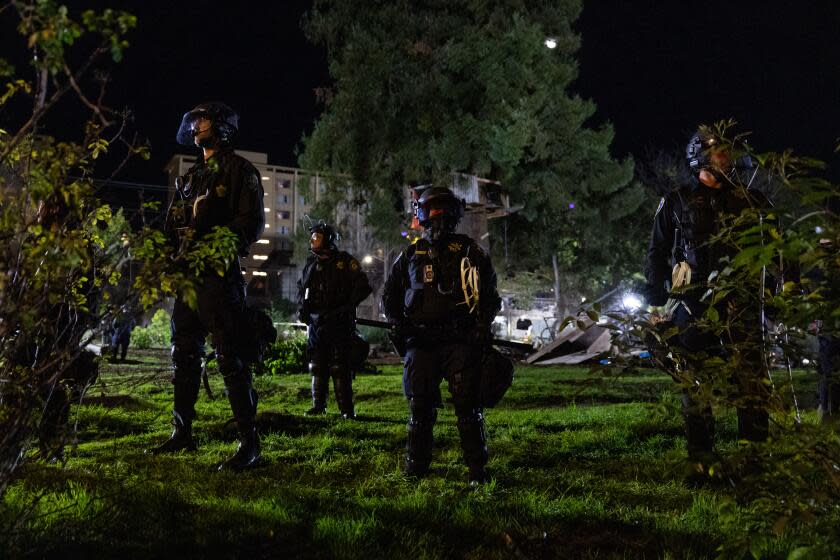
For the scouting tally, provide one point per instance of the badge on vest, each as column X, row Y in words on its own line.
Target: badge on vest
column 429, row 274
column 221, row 191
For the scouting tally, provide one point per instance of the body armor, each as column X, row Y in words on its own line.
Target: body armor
column 435, row 294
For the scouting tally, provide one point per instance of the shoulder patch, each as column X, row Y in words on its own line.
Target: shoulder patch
column 354, row 265
column 339, row 264
column 252, row 179
column 455, row 247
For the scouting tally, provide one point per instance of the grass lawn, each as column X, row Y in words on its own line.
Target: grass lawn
column 579, row 471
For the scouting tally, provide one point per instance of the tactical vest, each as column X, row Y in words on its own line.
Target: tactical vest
column 435, row 295
column 698, row 219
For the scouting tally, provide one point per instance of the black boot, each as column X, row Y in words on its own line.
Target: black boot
column 343, row 383
column 51, row 452
column 699, row 427
column 243, row 403
column 418, row 448
column 247, row 452
column 320, row 385
column 52, row 432
column 474, row 445
column 180, row 440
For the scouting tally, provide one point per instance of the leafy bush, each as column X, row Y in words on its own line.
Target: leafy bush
column 286, row 356
column 282, row 310
column 156, row 335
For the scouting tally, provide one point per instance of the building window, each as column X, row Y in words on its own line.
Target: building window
column 302, row 200
column 283, row 230
column 260, row 257
column 284, row 215
column 284, row 183
column 282, row 199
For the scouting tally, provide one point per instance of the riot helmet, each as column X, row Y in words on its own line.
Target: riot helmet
column 224, row 123
column 699, row 149
column 439, row 210
column 323, row 238
column 707, row 151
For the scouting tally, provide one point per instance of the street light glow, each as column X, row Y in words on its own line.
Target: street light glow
column 367, row 259
column 631, row 302
column 551, row 42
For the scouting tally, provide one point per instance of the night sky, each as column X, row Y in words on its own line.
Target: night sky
column 655, row 69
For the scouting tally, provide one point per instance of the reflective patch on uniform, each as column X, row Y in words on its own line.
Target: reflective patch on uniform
column 340, row 265
column 661, row 204
column 221, row 190
column 354, row 265
column 418, row 252
column 428, row 274
column 455, row 247
column 252, row 181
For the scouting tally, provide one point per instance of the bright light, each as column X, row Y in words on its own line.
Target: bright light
column 805, row 361
column 367, row 259
column 260, row 273
column 551, row 42
column 263, row 241
column 266, row 178
column 267, row 226
column 267, row 210
column 631, row 302
column 818, row 229
column 260, row 257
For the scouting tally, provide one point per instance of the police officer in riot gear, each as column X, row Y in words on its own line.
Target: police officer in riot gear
column 221, row 189
column 442, row 290
column 682, row 247
column 331, row 287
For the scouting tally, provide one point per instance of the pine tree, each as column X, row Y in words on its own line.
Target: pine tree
column 422, row 89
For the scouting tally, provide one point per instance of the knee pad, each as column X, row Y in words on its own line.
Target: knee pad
column 337, row 370
column 316, row 369
column 469, row 417
column 185, row 365
column 229, row 364
column 422, row 411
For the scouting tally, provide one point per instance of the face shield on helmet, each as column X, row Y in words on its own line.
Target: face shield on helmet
column 438, row 210
column 222, row 119
column 323, row 238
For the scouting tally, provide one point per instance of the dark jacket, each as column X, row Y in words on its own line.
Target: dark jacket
column 331, row 288
column 685, row 223
column 425, row 285
column 224, row 191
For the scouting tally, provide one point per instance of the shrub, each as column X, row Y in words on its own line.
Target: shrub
column 156, row 335
column 286, row 356
column 282, row 310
